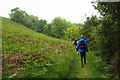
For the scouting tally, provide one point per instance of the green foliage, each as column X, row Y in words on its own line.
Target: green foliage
column 58, row 26
column 34, row 55
column 55, row 29
column 71, row 33
column 43, row 56
column 47, row 30
column 28, row 54
column 40, row 26
column 95, row 66
column 17, row 15
column 29, row 21
column 102, row 36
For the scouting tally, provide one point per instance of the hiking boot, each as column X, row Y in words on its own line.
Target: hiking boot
column 82, row 66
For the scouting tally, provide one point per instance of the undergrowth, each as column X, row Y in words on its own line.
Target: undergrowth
column 28, row 54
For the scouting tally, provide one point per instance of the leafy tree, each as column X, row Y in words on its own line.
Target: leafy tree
column 40, row 26
column 17, row 15
column 47, row 30
column 110, row 29
column 58, row 26
column 30, row 21
column 90, row 29
column 71, row 33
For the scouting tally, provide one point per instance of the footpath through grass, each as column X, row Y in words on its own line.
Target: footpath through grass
column 90, row 69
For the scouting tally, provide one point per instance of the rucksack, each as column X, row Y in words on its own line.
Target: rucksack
column 82, row 45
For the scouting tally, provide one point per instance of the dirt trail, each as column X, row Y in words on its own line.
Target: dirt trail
column 85, row 71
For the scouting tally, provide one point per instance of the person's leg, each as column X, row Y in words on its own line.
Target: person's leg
column 81, row 54
column 84, row 57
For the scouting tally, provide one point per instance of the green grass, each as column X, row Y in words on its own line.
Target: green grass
column 90, row 70
column 28, row 54
column 94, row 65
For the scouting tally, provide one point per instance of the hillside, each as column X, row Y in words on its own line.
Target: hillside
column 27, row 53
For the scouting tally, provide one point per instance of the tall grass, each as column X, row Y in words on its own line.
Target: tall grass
column 28, row 54
column 93, row 66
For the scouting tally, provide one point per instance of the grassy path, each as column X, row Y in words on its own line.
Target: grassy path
column 89, row 70
column 83, row 72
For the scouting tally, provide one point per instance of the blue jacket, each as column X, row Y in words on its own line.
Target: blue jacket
column 78, row 44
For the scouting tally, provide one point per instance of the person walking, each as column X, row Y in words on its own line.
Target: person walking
column 75, row 42
column 82, row 48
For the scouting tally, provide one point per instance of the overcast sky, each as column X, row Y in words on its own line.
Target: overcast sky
column 72, row 10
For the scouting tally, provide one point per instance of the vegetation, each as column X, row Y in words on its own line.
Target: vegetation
column 29, row 53
column 57, row 29
column 29, row 21
column 103, row 37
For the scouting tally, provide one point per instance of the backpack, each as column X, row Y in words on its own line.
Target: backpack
column 82, row 45
column 75, row 41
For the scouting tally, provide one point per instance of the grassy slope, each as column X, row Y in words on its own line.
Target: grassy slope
column 29, row 54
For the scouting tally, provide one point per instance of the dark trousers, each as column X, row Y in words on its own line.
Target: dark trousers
column 83, row 55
